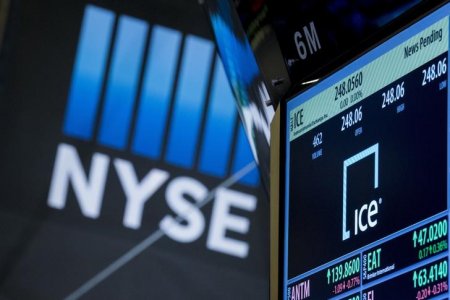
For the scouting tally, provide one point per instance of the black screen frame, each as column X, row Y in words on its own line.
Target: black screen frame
column 390, row 30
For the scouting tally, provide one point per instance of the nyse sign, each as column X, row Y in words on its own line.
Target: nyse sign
column 89, row 190
column 133, row 114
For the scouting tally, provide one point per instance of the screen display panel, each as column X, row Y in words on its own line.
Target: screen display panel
column 366, row 195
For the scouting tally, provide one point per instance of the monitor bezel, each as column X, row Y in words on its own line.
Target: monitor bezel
column 390, row 31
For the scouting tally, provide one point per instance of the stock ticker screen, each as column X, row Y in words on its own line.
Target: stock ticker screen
column 366, row 195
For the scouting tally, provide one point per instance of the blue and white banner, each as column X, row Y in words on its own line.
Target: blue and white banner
column 126, row 172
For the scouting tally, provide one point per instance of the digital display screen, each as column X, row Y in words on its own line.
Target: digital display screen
column 366, row 195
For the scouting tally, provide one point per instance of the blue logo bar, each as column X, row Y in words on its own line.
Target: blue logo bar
column 189, row 102
column 243, row 157
column 89, row 70
column 219, row 129
column 157, row 91
column 122, row 82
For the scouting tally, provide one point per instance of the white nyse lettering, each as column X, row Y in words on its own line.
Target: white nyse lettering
column 89, row 192
column 195, row 222
column 222, row 220
column 182, row 196
column 137, row 193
